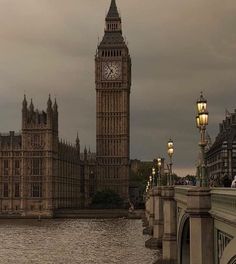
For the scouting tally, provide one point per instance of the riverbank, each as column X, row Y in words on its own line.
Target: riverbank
column 99, row 214
column 82, row 214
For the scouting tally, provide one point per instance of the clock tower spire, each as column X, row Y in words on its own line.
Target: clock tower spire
column 113, row 83
column 113, row 20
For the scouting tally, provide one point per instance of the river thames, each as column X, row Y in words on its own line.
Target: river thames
column 74, row 241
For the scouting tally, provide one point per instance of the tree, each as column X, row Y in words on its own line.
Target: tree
column 107, row 199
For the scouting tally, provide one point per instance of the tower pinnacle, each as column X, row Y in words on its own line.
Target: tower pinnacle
column 24, row 104
column 113, row 20
column 113, row 11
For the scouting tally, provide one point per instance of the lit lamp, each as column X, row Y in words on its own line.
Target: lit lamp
column 159, row 163
column 150, row 181
column 198, row 122
column 170, row 151
column 153, row 176
column 201, row 123
column 148, row 186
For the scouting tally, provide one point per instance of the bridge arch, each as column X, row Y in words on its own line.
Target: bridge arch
column 229, row 255
column 184, row 240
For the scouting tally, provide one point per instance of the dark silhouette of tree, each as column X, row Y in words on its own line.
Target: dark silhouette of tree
column 107, row 199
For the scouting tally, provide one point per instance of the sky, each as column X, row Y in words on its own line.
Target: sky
column 178, row 47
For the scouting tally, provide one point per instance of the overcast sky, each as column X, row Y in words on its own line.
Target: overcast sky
column 178, row 48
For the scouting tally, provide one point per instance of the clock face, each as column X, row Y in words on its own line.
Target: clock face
column 111, row 71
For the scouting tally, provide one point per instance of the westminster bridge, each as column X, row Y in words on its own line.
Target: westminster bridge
column 192, row 225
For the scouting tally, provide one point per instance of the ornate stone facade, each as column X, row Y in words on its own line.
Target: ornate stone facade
column 221, row 156
column 113, row 83
column 38, row 173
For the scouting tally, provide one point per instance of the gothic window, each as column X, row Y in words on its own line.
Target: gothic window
column 36, row 141
column 17, row 167
column 5, row 190
column 36, row 167
column 17, row 190
column 6, row 167
column 36, row 190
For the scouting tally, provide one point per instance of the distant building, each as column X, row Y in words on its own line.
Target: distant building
column 40, row 174
column 221, row 156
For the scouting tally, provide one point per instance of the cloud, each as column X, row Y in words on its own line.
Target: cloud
column 178, row 49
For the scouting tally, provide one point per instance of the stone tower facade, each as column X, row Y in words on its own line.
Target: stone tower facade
column 113, row 83
column 39, row 148
column 40, row 174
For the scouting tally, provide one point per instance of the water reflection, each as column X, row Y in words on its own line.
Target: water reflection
column 74, row 241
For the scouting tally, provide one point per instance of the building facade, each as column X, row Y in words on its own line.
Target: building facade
column 40, row 174
column 221, row 156
column 113, row 83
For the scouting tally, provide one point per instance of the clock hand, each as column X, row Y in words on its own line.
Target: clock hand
column 111, row 71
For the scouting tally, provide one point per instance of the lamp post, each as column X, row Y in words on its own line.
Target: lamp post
column 201, row 122
column 159, row 163
column 148, row 186
column 153, row 176
column 170, row 151
column 150, row 181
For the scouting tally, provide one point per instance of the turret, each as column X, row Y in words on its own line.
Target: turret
column 31, row 107
column 24, row 111
column 55, row 106
column 89, row 153
column 49, row 112
column 49, row 104
column 85, row 154
column 24, row 104
column 55, row 115
column 78, row 145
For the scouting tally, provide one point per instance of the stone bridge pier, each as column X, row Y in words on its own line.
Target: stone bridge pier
column 158, row 227
column 149, row 213
column 193, row 225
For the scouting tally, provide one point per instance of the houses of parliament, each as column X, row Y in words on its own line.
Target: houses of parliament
column 41, row 173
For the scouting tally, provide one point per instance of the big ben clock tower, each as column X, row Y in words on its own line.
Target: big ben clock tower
column 113, row 82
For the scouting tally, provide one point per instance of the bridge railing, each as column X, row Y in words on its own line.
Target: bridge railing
column 181, row 194
column 223, row 201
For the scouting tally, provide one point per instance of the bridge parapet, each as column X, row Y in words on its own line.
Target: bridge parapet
column 223, row 204
column 199, row 221
column 181, row 194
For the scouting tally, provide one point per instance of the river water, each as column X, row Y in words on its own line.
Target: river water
column 60, row 241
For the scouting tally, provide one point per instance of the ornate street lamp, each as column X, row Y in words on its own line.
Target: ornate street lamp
column 170, row 151
column 148, row 186
column 159, row 163
column 153, row 176
column 201, row 122
column 150, row 181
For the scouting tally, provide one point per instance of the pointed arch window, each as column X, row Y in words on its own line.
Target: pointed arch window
column 36, row 167
column 36, row 190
